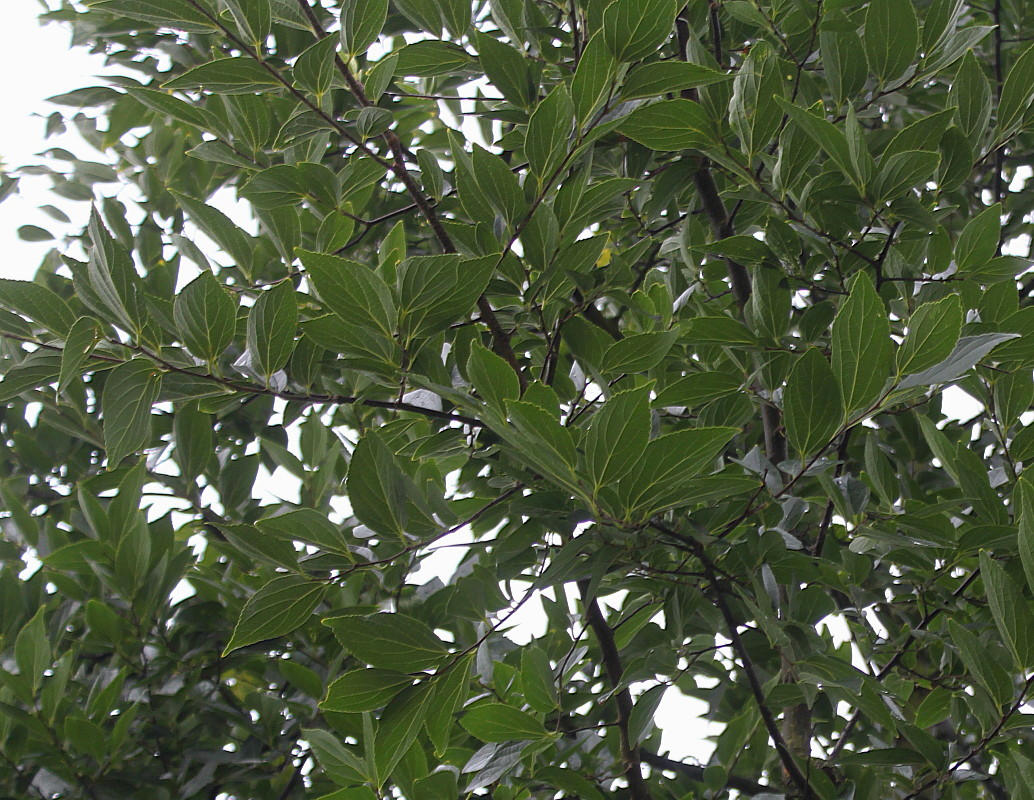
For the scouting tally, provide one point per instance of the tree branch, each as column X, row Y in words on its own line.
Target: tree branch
column 694, row 773
column 638, row 790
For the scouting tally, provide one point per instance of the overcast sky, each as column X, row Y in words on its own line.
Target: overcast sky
column 36, row 63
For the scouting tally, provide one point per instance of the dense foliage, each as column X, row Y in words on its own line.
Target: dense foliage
column 635, row 313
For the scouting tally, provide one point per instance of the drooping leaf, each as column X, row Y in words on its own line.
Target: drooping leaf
column 361, row 24
column 389, row 641
column 669, row 125
column 272, row 323
column 862, row 348
column 130, row 391
column 496, row 722
column 278, row 608
column 813, row 405
column 205, row 316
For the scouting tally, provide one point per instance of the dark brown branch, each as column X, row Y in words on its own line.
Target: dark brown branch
column 790, row 766
column 630, row 757
column 694, row 773
column 253, row 389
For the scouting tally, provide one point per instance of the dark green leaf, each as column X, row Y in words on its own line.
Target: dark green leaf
column 933, row 331
column 891, row 38
column 669, row 125
column 364, row 690
column 862, row 348
column 389, row 641
column 272, row 323
column 663, row 77
column 241, row 75
column 978, row 241
column 278, row 608
column 361, row 24
column 206, row 317
column 634, row 29
column 813, row 405
column 495, row 722
column 130, row 391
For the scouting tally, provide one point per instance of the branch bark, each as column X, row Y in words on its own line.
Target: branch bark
column 694, row 773
column 630, row 756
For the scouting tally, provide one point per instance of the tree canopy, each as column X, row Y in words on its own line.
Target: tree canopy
column 627, row 320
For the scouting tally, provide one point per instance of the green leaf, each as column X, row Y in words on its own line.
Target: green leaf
column 492, row 377
column 670, row 125
column 826, row 135
column 891, row 38
column 281, row 606
column 435, row 291
column 933, row 331
column 38, row 303
column 724, row 331
column 272, row 323
column 241, row 75
column 364, row 690
column 32, row 652
column 634, row 29
column 572, row 783
column 701, row 387
column 638, row 353
column 641, row 722
column 664, row 77
column 549, row 132
column 399, row 725
column 450, row 692
column 219, row 227
column 507, row 70
column 862, row 348
column 1017, row 94
column 978, row 662
column 130, row 391
column 336, row 759
column 617, row 436
column 35, row 370
column 361, row 24
column 427, row 59
column 593, row 78
column 970, row 94
column 495, row 722
column 538, row 424
column 668, row 462
column 936, row 707
column 306, row 525
column 845, row 70
column 178, row 14
column 206, row 317
column 537, row 680
column 354, row 293
column 753, row 114
column 34, row 233
column 969, row 351
column 85, row 736
column 254, row 19
column 193, row 436
column 82, row 338
column 389, row 641
column 1009, row 609
column 813, row 406
column 1025, row 536
column 902, row 172
column 978, row 241
column 315, row 68
column 377, row 487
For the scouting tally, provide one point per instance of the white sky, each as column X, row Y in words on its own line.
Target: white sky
column 36, row 64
